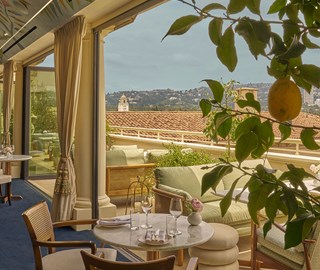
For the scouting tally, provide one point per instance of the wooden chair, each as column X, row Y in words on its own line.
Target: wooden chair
column 93, row 262
column 41, row 231
column 269, row 252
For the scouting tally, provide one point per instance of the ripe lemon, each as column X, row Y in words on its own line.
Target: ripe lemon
column 284, row 100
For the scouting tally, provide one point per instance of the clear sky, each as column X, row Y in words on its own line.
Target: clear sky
column 136, row 59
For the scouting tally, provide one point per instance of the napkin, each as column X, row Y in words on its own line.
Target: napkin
column 114, row 221
column 157, row 236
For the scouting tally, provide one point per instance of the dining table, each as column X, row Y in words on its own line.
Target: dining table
column 123, row 236
column 7, row 166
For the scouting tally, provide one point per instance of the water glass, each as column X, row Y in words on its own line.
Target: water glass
column 134, row 220
column 170, row 225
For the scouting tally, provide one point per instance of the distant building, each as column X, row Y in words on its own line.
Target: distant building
column 242, row 93
column 123, row 105
column 308, row 98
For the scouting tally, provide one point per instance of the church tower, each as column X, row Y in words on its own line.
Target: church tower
column 123, row 105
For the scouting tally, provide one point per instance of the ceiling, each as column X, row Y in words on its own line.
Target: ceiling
column 22, row 22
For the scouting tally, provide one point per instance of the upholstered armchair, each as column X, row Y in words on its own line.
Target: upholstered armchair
column 269, row 252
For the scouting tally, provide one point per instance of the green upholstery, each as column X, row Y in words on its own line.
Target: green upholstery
column 185, row 178
column 125, row 157
column 229, row 179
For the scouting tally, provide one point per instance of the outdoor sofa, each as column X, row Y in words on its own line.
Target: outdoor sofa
column 186, row 182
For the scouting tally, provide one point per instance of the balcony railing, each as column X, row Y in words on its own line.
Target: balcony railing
column 289, row 146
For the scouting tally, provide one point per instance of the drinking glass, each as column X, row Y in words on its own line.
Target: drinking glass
column 146, row 205
column 176, row 211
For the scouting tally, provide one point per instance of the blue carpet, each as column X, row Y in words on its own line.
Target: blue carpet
column 15, row 249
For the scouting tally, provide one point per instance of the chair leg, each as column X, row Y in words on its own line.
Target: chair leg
column 8, row 191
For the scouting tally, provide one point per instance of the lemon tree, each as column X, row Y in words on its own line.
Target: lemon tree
column 300, row 22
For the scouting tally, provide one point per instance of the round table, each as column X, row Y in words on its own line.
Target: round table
column 7, row 168
column 122, row 236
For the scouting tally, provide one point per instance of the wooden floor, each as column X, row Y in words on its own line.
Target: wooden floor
column 47, row 187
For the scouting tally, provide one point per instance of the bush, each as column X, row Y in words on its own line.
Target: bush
column 178, row 156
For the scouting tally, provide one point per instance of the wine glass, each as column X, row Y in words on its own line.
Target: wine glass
column 146, row 205
column 176, row 211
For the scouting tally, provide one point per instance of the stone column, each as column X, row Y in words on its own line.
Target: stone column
column 17, row 117
column 83, row 138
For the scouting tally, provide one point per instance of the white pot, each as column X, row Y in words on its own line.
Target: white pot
column 195, row 218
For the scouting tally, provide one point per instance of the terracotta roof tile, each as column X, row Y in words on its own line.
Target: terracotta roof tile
column 189, row 120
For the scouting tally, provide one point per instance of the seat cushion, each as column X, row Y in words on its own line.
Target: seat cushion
column 71, row 259
column 224, row 237
column 123, row 147
column 274, row 243
column 125, row 157
column 5, row 179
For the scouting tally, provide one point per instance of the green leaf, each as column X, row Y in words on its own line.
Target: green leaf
column 272, row 205
column 255, row 34
column 226, row 50
column 307, row 138
column 226, row 200
column 215, row 30
column 301, row 82
column 223, row 123
column 310, row 73
column 285, row 132
column 278, row 46
column 308, row 11
column 265, row 137
column 308, row 43
column 213, row 178
column 249, row 102
column 266, row 227
column 290, row 202
column 236, row 6
column 245, row 145
column 182, row 25
column 297, row 230
column 246, row 126
column 216, row 89
column 292, row 12
column 276, row 69
column 213, row 6
column 254, row 6
column 296, row 49
column 205, row 106
column 276, row 6
column 290, row 29
column 257, row 200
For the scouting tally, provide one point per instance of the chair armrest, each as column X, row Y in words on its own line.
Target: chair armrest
column 54, row 244
column 131, row 166
column 193, row 263
column 171, row 192
column 67, row 223
column 167, row 194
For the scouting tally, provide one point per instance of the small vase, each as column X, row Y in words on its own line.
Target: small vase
column 195, row 218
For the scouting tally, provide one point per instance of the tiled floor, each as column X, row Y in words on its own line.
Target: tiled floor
column 47, row 187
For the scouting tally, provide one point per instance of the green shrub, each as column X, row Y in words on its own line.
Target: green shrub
column 178, row 156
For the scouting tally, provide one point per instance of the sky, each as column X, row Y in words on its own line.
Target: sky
column 136, row 58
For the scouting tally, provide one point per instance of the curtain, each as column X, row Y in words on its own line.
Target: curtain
column 7, row 100
column 67, row 60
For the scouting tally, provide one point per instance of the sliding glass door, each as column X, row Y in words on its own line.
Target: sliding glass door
column 41, row 116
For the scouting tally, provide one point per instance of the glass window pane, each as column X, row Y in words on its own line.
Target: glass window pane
column 44, row 140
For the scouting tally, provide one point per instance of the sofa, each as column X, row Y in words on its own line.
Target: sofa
column 124, row 163
column 185, row 182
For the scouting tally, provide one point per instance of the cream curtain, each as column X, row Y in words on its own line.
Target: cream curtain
column 7, row 100
column 67, row 60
